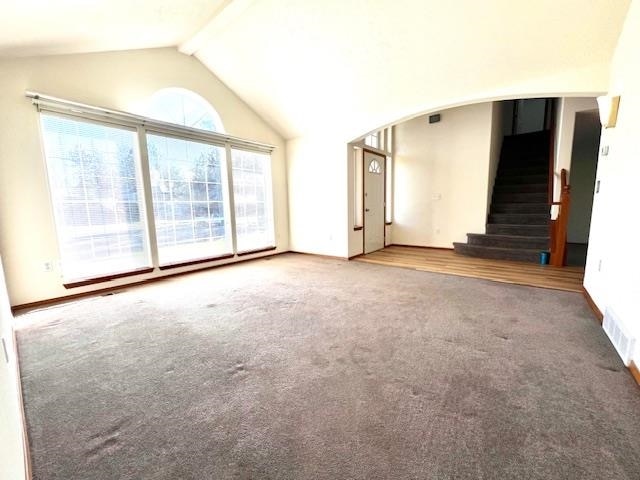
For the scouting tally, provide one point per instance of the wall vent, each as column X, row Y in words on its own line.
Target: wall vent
column 622, row 340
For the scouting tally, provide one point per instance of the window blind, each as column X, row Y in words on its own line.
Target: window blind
column 97, row 197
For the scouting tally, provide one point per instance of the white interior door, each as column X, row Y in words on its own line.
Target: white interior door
column 373, row 202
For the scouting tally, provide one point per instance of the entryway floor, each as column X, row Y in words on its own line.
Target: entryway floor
column 446, row 261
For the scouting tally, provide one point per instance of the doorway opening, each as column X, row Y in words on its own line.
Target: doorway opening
column 584, row 163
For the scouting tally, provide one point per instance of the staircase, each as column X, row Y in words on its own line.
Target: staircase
column 518, row 223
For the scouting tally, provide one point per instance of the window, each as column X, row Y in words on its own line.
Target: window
column 201, row 195
column 357, row 188
column 388, row 190
column 184, row 107
column 190, row 199
column 374, row 167
column 253, row 200
column 97, row 197
column 372, row 140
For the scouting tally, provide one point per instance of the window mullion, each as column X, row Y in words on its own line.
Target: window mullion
column 232, row 203
column 148, row 196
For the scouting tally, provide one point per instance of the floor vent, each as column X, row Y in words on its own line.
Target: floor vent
column 621, row 338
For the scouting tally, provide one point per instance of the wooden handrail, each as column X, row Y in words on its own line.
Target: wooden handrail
column 558, row 227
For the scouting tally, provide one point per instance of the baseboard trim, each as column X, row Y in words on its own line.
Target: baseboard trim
column 418, row 246
column 635, row 372
column 26, row 451
column 330, row 257
column 592, row 305
column 23, row 307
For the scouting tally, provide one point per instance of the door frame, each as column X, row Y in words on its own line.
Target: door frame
column 384, row 197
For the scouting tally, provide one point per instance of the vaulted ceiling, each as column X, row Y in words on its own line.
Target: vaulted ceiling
column 46, row 27
column 346, row 67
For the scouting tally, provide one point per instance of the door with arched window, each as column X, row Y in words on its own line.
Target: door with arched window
column 374, row 185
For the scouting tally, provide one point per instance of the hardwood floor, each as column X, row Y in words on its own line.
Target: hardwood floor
column 446, row 261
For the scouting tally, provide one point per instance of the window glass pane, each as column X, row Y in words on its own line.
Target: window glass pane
column 97, row 197
column 253, row 200
column 190, row 199
column 388, row 201
column 357, row 187
column 184, row 107
column 372, row 140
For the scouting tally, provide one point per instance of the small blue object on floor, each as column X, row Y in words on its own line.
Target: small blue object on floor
column 544, row 258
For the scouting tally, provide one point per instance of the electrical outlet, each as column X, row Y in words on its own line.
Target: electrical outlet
column 598, row 186
column 605, row 150
column 47, row 266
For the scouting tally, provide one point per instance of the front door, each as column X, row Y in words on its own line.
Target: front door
column 373, row 201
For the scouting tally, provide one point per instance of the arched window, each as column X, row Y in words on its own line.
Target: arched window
column 184, row 107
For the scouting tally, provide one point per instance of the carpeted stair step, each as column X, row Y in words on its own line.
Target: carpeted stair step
column 524, row 230
column 518, row 223
column 521, row 188
column 519, row 170
column 516, row 163
column 521, row 179
column 516, row 197
column 540, row 208
column 514, row 254
column 508, row 241
column 519, row 218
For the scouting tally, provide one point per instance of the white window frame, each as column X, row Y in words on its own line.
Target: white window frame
column 144, row 125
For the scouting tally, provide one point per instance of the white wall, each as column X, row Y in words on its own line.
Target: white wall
column 12, row 464
column 613, row 262
column 507, row 116
column 318, row 172
column 442, row 176
column 500, row 126
column 119, row 80
column 584, row 160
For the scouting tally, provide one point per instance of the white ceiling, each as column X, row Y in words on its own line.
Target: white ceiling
column 345, row 66
column 310, row 67
column 45, row 27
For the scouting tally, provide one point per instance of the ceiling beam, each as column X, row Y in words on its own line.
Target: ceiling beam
column 228, row 11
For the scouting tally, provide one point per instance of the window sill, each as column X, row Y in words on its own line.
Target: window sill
column 106, row 278
column 258, row 250
column 195, row 262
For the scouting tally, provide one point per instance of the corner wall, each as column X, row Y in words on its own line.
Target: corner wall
column 118, row 80
column 565, row 126
column 12, row 460
column 611, row 275
column 500, row 126
column 318, row 173
column 442, row 175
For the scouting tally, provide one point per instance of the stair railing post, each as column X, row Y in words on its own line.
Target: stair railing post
column 558, row 228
